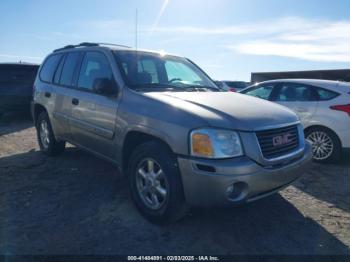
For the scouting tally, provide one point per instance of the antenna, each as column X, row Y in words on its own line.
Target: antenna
column 136, row 18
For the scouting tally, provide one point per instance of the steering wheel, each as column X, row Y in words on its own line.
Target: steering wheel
column 175, row 79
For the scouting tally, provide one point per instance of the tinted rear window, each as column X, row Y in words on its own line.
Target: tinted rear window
column 49, row 68
column 69, row 69
column 18, row 74
column 325, row 94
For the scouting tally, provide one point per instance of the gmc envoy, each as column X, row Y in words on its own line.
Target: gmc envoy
column 166, row 125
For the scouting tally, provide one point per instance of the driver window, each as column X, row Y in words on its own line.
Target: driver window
column 95, row 65
column 263, row 91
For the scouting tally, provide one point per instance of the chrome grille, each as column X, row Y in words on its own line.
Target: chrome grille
column 278, row 142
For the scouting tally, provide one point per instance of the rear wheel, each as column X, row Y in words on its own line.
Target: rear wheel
column 46, row 139
column 326, row 146
column 155, row 183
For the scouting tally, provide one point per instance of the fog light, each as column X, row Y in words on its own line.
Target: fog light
column 237, row 191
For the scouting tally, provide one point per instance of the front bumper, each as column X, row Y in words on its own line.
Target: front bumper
column 234, row 181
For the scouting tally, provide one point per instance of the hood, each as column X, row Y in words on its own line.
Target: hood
column 227, row 109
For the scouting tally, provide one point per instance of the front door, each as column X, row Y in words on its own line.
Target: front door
column 92, row 120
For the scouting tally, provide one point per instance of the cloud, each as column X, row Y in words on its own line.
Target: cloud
column 262, row 28
column 313, row 52
column 294, row 37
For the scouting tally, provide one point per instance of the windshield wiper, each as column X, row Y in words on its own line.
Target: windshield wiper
column 166, row 87
column 157, row 86
column 201, row 87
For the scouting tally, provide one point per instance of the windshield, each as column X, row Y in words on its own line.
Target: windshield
column 151, row 71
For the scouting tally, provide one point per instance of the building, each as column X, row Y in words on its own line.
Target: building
column 338, row 74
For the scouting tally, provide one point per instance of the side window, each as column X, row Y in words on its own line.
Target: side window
column 56, row 78
column 294, row 92
column 324, row 94
column 262, row 91
column 69, row 69
column 94, row 66
column 48, row 70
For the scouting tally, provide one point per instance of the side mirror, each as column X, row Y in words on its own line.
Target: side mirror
column 104, row 86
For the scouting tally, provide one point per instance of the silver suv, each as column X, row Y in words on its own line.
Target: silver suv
column 179, row 140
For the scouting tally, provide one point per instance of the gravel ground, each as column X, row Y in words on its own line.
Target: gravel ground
column 79, row 204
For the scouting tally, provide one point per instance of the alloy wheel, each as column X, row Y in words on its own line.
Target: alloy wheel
column 322, row 145
column 44, row 134
column 152, row 184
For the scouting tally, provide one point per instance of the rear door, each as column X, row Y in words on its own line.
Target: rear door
column 64, row 81
column 301, row 98
column 93, row 116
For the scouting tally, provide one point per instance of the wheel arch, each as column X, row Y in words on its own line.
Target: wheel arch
column 38, row 109
column 135, row 138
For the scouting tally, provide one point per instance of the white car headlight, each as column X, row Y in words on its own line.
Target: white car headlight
column 215, row 143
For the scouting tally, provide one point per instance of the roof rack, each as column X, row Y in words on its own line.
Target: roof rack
column 87, row 44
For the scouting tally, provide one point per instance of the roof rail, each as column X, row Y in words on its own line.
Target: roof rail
column 87, row 44
column 112, row 44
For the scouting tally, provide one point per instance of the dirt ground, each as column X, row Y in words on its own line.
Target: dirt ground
column 79, row 204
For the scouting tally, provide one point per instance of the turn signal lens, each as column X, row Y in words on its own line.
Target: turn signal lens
column 215, row 143
column 201, row 145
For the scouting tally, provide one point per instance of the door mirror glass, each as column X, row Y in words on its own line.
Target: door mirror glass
column 103, row 86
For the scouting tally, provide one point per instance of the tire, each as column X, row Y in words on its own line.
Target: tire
column 47, row 142
column 171, row 198
column 319, row 136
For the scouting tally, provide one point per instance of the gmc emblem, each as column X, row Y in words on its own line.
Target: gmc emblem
column 281, row 140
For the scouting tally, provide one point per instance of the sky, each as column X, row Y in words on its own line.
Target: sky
column 229, row 39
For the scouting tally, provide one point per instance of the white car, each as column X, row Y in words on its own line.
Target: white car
column 323, row 107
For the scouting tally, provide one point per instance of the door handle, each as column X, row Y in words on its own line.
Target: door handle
column 47, row 94
column 75, row 101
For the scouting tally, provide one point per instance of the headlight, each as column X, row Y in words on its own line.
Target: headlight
column 215, row 143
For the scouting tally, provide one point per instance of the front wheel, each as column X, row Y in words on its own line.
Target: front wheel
column 326, row 146
column 46, row 139
column 155, row 183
